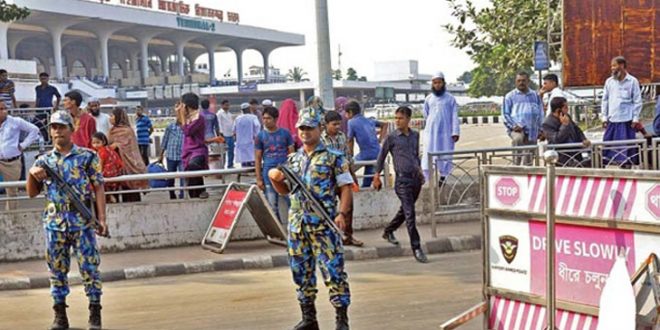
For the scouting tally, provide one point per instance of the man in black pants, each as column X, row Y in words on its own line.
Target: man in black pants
column 403, row 143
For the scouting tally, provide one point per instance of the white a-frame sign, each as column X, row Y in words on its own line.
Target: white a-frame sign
column 238, row 198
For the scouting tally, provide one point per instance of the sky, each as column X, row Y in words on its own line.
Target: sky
column 367, row 30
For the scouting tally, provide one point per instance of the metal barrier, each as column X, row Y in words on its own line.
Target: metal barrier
column 209, row 184
column 592, row 216
column 458, row 193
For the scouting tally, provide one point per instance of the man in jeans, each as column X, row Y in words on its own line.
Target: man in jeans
column 363, row 130
column 144, row 129
column 271, row 146
column 172, row 147
column 226, row 123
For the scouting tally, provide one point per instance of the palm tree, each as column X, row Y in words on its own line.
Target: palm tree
column 296, row 74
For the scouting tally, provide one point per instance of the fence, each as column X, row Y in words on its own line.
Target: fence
column 458, row 192
column 593, row 216
column 215, row 180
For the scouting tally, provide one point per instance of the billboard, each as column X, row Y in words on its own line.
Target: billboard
column 595, row 31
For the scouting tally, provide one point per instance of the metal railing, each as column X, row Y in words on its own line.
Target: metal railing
column 459, row 192
column 217, row 179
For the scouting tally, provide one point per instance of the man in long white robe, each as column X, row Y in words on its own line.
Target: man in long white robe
column 442, row 128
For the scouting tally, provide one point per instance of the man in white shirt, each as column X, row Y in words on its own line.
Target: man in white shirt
column 622, row 104
column 11, row 149
column 102, row 119
column 226, row 121
column 246, row 128
column 551, row 86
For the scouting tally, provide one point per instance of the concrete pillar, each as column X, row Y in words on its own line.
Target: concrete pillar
column 211, row 50
column 239, row 65
column 324, row 86
column 4, row 44
column 134, row 62
column 104, row 38
column 56, row 32
column 266, row 55
column 191, row 63
column 144, row 57
column 180, row 58
column 303, row 100
column 163, row 63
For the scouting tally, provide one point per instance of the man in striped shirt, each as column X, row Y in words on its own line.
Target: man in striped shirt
column 7, row 90
column 523, row 116
column 333, row 138
column 172, row 147
column 144, row 129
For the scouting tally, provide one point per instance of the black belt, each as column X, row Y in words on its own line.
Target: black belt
column 10, row 159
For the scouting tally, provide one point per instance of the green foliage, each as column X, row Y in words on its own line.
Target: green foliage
column 499, row 39
column 336, row 75
column 351, row 74
column 465, row 78
column 362, row 78
column 296, row 74
column 10, row 13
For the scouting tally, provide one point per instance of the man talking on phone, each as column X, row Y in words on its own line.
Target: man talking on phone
column 559, row 128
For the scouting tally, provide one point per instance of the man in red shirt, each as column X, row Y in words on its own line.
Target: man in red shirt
column 83, row 123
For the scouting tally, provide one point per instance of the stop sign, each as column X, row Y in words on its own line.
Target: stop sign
column 507, row 191
column 653, row 201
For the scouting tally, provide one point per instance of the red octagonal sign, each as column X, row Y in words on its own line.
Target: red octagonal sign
column 653, row 201
column 507, row 191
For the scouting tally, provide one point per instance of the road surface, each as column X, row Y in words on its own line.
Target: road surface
column 394, row 294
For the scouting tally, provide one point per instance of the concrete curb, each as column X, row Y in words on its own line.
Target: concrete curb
column 441, row 245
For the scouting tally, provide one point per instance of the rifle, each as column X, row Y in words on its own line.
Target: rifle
column 72, row 194
column 298, row 186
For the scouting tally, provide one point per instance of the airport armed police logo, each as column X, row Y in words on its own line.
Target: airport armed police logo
column 509, row 247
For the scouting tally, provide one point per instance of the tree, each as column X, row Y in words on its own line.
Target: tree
column 336, row 75
column 296, row 74
column 9, row 13
column 465, row 78
column 351, row 74
column 499, row 39
column 362, row 78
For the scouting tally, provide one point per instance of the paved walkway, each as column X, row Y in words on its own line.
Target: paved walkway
column 258, row 254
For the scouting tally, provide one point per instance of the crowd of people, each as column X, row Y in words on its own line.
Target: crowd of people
column 315, row 143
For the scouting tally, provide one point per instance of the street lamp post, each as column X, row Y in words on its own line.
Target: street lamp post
column 323, row 87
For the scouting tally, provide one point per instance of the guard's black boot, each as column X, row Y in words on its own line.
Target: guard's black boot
column 341, row 319
column 94, row 316
column 61, row 321
column 308, row 318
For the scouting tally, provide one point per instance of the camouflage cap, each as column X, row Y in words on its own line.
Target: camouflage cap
column 62, row 118
column 308, row 118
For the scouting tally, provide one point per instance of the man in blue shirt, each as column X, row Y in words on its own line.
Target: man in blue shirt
column 523, row 116
column 622, row 104
column 271, row 146
column 144, row 129
column 363, row 131
column 45, row 93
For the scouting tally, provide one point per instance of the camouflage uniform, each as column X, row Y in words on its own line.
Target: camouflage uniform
column 66, row 228
column 310, row 239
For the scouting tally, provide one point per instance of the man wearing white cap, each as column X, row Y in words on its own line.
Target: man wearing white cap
column 442, row 126
column 246, row 128
column 102, row 119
